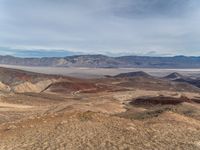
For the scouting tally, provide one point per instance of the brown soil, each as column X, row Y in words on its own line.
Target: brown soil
column 160, row 100
column 88, row 130
column 67, row 87
column 43, row 112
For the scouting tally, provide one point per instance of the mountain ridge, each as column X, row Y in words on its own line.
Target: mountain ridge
column 103, row 61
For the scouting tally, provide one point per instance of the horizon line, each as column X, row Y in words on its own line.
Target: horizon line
column 98, row 54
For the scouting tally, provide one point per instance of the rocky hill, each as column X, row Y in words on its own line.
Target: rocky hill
column 185, row 79
column 133, row 74
column 174, row 76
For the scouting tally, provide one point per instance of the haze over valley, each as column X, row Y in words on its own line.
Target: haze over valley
column 99, row 75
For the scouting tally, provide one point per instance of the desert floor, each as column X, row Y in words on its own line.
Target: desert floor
column 108, row 113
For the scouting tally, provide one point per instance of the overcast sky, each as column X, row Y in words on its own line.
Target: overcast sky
column 139, row 27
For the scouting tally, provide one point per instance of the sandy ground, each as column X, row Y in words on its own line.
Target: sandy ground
column 7, row 105
column 90, row 121
column 98, row 114
column 88, row 130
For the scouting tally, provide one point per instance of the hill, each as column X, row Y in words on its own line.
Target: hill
column 185, row 79
column 174, row 76
column 133, row 74
column 132, row 111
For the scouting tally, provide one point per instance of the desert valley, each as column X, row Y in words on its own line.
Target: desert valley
column 131, row 110
column 99, row 75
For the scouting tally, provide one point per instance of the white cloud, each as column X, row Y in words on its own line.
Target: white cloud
column 129, row 26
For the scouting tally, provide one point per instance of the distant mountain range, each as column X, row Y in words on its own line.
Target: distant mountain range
column 102, row 61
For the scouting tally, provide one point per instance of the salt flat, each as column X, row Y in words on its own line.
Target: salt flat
column 100, row 72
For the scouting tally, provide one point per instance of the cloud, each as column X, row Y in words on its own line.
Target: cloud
column 37, row 53
column 102, row 26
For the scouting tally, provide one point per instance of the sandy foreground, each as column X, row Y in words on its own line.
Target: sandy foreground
column 39, row 111
column 91, row 121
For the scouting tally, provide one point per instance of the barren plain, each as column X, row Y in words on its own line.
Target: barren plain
column 129, row 111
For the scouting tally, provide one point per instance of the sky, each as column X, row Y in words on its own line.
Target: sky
column 112, row 27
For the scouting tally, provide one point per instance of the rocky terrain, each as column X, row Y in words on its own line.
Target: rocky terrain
column 127, row 111
column 185, row 79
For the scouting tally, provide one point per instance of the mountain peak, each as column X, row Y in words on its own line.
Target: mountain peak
column 174, row 76
column 133, row 74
